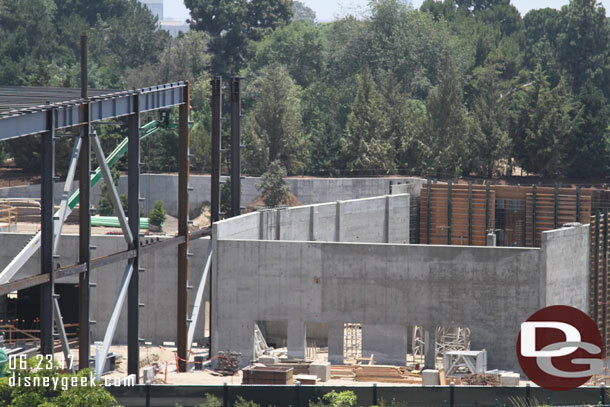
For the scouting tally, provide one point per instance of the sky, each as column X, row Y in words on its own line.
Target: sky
column 328, row 10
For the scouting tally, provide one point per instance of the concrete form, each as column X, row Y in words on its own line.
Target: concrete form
column 350, row 262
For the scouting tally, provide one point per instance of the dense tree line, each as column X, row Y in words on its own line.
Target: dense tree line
column 456, row 87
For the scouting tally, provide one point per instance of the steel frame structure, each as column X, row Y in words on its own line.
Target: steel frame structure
column 83, row 113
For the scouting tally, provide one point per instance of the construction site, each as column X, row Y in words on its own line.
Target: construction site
column 371, row 283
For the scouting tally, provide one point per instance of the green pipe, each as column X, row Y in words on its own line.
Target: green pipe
column 148, row 129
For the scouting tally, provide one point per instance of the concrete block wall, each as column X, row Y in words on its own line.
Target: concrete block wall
column 158, row 284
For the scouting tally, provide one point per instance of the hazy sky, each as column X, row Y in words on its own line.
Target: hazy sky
column 327, row 10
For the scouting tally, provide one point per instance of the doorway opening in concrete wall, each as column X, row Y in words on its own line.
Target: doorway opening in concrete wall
column 352, row 342
column 316, row 337
column 274, row 333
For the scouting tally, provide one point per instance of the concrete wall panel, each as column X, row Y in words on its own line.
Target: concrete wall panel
column 379, row 284
column 565, row 254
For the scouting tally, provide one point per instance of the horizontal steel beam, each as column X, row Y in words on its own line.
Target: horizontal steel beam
column 25, row 122
column 74, row 269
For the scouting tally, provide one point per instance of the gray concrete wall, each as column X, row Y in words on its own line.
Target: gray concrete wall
column 164, row 187
column 565, row 256
column 377, row 220
column 381, row 284
column 158, row 284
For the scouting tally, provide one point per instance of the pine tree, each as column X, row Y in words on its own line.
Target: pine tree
column 542, row 122
column 365, row 146
column 447, row 124
column 274, row 127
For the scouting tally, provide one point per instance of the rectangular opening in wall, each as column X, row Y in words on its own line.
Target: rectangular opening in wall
column 352, row 342
column 317, row 340
column 272, row 334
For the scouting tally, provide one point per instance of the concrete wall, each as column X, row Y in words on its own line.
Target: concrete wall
column 490, row 290
column 158, row 284
column 377, row 220
column 565, row 253
column 308, row 279
column 165, row 187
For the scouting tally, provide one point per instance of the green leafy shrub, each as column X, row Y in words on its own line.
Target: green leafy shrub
column 63, row 394
column 158, row 215
column 274, row 187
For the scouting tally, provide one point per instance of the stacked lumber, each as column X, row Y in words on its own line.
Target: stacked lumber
column 342, row 372
column 375, row 373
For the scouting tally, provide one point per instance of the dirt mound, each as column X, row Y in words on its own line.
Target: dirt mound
column 259, row 203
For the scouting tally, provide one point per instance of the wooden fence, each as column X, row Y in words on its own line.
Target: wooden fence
column 463, row 214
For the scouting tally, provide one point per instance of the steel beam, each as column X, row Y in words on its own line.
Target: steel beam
column 199, row 297
column 113, row 193
column 100, row 358
column 216, row 146
column 30, row 121
column 183, row 213
column 64, row 211
column 46, row 252
column 59, row 323
column 235, row 87
column 133, row 192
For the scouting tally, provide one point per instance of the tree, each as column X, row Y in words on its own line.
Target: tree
column 299, row 46
column 365, row 147
column 584, row 44
column 300, row 12
column 64, row 394
column 274, row 188
column 491, row 142
column 157, row 215
column 588, row 144
column 274, row 126
column 183, row 58
column 543, row 119
column 232, row 24
column 447, row 125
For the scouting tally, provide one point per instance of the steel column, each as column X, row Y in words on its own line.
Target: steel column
column 428, row 206
column 449, row 211
column 46, row 251
column 596, row 274
column 487, row 193
column 133, row 209
column 604, row 298
column 183, row 212
column 84, row 216
column 578, row 204
column 470, row 214
column 216, row 145
column 533, row 215
column 556, row 207
column 235, row 87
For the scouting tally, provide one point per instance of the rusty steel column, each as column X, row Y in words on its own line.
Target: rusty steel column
column 183, row 212
column 216, row 145
column 84, row 229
